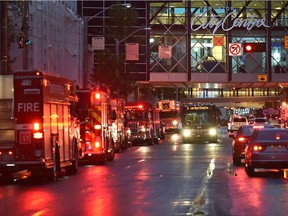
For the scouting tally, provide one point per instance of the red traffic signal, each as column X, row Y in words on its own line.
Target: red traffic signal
column 254, row 47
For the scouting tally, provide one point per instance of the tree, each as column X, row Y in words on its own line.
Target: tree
column 120, row 23
column 15, row 10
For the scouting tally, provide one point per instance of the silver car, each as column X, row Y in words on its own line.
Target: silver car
column 267, row 148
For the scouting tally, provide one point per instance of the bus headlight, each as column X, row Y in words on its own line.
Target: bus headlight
column 186, row 132
column 212, row 131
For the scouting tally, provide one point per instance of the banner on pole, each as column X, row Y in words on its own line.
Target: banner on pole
column 165, row 52
column 132, row 51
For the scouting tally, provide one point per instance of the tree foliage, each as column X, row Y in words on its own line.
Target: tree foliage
column 120, row 24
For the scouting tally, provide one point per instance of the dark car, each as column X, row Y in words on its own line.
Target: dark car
column 240, row 141
column 268, row 149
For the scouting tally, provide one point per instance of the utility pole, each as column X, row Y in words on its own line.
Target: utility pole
column 25, row 28
column 4, row 38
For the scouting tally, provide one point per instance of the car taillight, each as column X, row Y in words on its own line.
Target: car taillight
column 257, row 148
column 241, row 139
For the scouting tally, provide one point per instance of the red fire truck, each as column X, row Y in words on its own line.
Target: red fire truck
column 170, row 115
column 46, row 137
column 144, row 122
column 96, row 117
column 119, row 132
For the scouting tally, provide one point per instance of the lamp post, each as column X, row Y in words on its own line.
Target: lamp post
column 86, row 20
column 117, row 43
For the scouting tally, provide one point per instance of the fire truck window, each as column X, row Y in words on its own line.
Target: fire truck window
column 114, row 115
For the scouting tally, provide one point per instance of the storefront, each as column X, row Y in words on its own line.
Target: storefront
column 201, row 45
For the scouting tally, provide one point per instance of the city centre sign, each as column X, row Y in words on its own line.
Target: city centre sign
column 215, row 22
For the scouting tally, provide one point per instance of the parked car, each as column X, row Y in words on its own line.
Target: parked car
column 267, row 148
column 235, row 122
column 240, row 141
column 259, row 121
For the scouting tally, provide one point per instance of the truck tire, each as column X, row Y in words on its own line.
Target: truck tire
column 110, row 152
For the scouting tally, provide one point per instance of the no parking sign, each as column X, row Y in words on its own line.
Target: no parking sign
column 235, row 49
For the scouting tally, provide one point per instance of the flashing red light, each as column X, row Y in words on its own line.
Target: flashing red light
column 254, row 47
column 140, row 106
column 97, row 95
column 97, row 144
column 36, row 126
column 248, row 48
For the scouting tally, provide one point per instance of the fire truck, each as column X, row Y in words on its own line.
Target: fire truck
column 143, row 120
column 96, row 117
column 120, row 134
column 46, row 137
column 170, row 115
column 7, row 125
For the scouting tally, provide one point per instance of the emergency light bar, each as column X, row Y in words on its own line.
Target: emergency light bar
column 97, row 95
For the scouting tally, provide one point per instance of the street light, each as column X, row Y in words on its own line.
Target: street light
column 86, row 20
column 117, row 43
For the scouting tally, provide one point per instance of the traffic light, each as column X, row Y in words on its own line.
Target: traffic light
column 22, row 42
column 254, row 47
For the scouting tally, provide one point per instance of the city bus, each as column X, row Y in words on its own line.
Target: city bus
column 199, row 122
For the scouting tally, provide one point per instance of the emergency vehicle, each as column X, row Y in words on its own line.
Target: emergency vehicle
column 7, row 125
column 143, row 119
column 46, row 137
column 96, row 116
column 120, row 134
column 170, row 115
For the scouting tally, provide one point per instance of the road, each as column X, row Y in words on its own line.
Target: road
column 167, row 179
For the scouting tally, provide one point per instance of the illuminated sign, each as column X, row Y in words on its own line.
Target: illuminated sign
column 198, row 108
column 215, row 22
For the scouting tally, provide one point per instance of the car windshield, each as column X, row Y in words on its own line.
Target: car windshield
column 247, row 131
column 273, row 135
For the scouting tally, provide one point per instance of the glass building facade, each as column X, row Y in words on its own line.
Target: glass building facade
column 197, row 47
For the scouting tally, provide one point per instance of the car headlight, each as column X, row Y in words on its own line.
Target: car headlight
column 186, row 132
column 212, row 131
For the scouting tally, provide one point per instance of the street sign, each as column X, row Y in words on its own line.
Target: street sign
column 98, row 43
column 262, row 78
column 286, row 42
column 235, row 49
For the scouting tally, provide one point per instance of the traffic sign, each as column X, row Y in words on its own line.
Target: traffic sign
column 286, row 42
column 98, row 43
column 262, row 78
column 235, row 49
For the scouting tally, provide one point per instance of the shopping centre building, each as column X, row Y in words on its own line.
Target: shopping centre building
column 198, row 48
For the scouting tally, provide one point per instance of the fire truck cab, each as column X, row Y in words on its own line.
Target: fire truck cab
column 143, row 121
column 46, row 138
column 95, row 115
